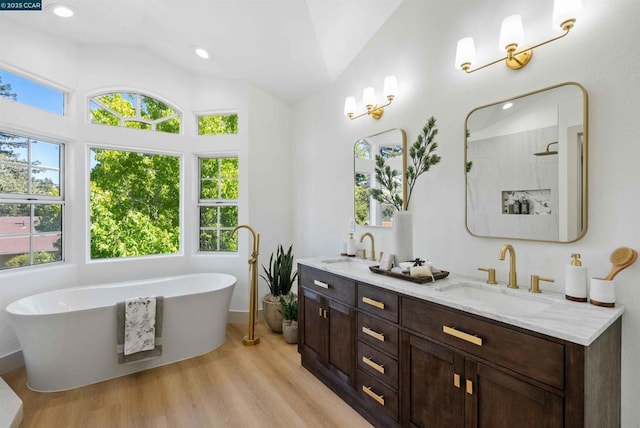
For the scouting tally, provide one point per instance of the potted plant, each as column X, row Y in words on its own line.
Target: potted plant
column 289, row 311
column 280, row 277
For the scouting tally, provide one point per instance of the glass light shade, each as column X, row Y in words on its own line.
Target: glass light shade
column 349, row 106
column 465, row 52
column 564, row 10
column 390, row 86
column 511, row 32
column 369, row 96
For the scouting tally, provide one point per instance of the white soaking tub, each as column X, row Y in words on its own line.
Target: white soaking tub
column 68, row 336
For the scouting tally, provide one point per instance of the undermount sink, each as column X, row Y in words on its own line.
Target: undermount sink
column 349, row 263
column 498, row 300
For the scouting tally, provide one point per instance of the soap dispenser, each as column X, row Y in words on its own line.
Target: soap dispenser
column 351, row 246
column 576, row 280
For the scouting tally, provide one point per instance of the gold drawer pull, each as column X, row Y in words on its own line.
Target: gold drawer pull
column 379, row 398
column 456, row 380
column 373, row 334
column 372, row 302
column 469, row 387
column 373, row 364
column 321, row 284
column 462, row 335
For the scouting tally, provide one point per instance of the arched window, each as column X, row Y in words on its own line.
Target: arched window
column 134, row 110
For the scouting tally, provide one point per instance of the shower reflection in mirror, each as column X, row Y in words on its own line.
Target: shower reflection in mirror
column 528, row 165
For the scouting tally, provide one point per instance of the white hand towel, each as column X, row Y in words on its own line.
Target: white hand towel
column 139, row 328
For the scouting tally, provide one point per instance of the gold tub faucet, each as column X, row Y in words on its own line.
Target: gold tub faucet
column 373, row 246
column 252, row 339
column 513, row 276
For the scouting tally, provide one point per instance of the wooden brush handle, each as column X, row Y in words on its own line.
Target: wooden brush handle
column 617, row 268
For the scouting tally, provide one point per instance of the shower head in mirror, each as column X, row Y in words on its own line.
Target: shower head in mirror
column 548, row 152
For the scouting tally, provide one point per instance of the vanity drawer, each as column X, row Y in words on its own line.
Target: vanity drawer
column 378, row 301
column 378, row 334
column 378, row 365
column 530, row 355
column 376, row 395
column 338, row 287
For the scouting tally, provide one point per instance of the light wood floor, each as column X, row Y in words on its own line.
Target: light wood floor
column 233, row 386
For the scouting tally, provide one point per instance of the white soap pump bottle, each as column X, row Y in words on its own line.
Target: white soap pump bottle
column 576, row 280
column 351, row 246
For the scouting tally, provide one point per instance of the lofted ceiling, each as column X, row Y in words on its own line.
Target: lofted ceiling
column 290, row 48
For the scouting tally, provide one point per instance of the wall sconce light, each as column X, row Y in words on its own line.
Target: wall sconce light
column 369, row 100
column 512, row 37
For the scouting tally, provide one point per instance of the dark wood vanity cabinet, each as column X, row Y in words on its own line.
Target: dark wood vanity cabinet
column 402, row 361
column 327, row 325
column 446, row 389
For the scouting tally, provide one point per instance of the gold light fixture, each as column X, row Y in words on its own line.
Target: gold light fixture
column 369, row 100
column 512, row 38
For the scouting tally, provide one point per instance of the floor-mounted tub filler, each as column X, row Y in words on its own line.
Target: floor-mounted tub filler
column 68, row 336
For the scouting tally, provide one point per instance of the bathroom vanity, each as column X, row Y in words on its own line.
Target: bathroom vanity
column 457, row 352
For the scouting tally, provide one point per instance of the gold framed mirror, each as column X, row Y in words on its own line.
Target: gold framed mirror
column 526, row 166
column 391, row 147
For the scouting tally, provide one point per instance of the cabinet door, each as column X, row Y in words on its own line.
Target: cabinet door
column 315, row 326
column 436, row 385
column 500, row 400
column 341, row 341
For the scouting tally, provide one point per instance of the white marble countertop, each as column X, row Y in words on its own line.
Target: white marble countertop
column 547, row 313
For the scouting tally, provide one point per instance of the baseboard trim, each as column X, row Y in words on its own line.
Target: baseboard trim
column 242, row 317
column 11, row 361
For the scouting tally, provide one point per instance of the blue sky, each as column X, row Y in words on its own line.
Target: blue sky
column 45, row 98
column 34, row 94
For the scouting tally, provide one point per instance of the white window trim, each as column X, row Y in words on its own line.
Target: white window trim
column 138, row 118
column 35, row 199
column 87, row 208
column 214, row 202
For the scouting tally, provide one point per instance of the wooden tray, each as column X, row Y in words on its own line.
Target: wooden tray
column 437, row 274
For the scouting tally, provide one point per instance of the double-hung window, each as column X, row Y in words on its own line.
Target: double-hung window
column 218, row 203
column 31, row 201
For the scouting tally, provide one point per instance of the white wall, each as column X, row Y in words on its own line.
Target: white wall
column 418, row 45
column 262, row 145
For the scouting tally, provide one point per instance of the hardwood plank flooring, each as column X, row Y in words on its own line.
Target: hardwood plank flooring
column 234, row 386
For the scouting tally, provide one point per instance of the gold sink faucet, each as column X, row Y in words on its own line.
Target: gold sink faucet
column 513, row 276
column 373, row 245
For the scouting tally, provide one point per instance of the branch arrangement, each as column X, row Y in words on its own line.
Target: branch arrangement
column 423, row 157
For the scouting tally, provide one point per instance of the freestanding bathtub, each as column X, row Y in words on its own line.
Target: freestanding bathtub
column 68, row 336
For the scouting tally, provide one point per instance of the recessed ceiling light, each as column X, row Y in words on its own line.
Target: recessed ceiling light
column 60, row 10
column 202, row 53
column 507, row 105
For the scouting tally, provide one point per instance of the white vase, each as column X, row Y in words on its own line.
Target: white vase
column 403, row 236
